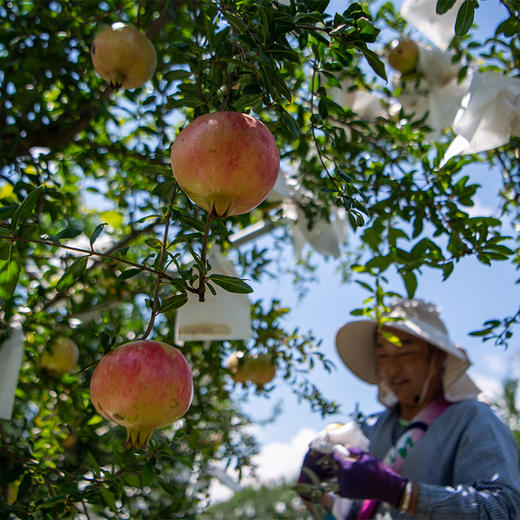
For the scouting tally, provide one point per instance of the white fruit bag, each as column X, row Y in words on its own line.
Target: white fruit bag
column 349, row 434
column 489, row 115
column 222, row 316
column 11, row 356
column 439, row 29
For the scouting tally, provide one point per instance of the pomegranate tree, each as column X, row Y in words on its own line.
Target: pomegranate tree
column 142, row 385
column 123, row 56
column 226, row 162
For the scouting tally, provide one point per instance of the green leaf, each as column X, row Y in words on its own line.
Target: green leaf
column 69, row 233
column 132, row 480
column 164, row 189
column 24, row 486
column 95, row 419
column 236, row 22
column 443, row 6
column 148, row 474
column 5, row 249
column 375, row 62
column 51, row 502
column 26, row 207
column 231, row 283
column 410, row 282
column 108, row 497
column 153, row 242
column 290, row 124
column 129, row 273
column 465, row 17
column 9, row 272
column 7, row 211
column 509, row 27
column 95, row 234
column 75, row 270
column 178, row 74
column 174, row 302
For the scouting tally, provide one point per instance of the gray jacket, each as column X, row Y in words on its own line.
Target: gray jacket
column 466, row 463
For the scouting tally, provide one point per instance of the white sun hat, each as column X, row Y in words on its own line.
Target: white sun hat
column 355, row 343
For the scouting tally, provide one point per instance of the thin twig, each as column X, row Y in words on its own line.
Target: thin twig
column 202, row 271
column 85, row 509
column 88, row 252
column 118, row 245
column 315, row 139
column 155, row 303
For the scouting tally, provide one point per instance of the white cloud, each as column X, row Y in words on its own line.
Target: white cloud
column 219, row 492
column 491, row 386
column 282, row 460
column 276, row 462
column 480, row 210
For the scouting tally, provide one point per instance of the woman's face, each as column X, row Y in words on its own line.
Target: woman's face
column 405, row 367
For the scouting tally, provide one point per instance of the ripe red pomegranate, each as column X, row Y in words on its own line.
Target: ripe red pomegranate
column 123, row 56
column 227, row 162
column 142, row 385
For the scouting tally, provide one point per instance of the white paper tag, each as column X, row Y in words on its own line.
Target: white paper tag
column 11, row 356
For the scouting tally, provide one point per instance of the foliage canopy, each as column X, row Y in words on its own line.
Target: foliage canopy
column 97, row 243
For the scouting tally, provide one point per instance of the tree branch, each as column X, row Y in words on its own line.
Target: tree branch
column 122, row 243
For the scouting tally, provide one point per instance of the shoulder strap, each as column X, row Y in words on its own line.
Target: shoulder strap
column 407, row 440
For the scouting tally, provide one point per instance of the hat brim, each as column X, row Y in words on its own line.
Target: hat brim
column 355, row 344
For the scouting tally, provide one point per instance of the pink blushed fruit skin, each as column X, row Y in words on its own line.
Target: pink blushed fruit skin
column 142, row 385
column 226, row 162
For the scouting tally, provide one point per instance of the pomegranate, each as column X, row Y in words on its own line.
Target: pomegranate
column 238, row 368
column 258, row 369
column 404, row 56
column 60, row 357
column 226, row 162
column 142, row 385
column 123, row 56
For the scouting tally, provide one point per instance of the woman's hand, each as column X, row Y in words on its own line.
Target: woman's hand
column 362, row 476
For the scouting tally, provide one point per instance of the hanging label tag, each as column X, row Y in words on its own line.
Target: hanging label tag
column 11, row 356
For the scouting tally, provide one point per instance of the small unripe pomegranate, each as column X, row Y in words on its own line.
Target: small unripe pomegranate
column 258, row 369
column 123, row 56
column 238, row 368
column 226, row 162
column 261, row 369
column 60, row 357
column 404, row 56
column 142, row 385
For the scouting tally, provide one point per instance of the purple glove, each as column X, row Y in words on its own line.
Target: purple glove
column 320, row 464
column 367, row 477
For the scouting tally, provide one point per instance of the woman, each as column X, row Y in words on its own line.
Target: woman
column 436, row 452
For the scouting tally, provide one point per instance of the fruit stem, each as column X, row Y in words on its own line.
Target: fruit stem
column 202, row 269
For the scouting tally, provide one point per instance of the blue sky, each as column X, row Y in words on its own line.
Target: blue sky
column 471, row 295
